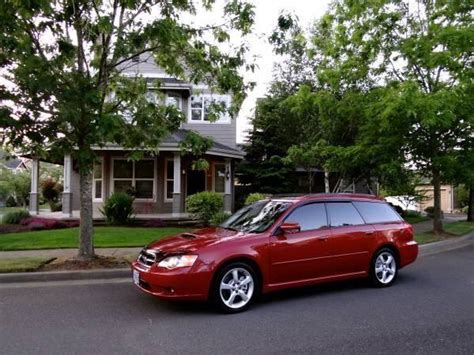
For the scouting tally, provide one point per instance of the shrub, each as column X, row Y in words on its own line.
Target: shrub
column 45, row 223
column 15, row 217
column 118, row 208
column 56, row 206
column 254, row 197
column 219, row 217
column 51, row 191
column 204, row 205
column 10, row 202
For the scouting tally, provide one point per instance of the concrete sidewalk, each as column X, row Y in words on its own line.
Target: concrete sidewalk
column 67, row 253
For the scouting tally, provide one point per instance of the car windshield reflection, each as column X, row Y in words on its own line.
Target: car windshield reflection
column 257, row 217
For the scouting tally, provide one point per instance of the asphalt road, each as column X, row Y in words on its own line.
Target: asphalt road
column 430, row 310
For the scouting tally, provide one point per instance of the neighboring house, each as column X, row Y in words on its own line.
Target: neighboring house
column 161, row 183
column 13, row 164
column 448, row 199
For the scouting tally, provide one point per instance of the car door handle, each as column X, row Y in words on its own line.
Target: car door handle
column 369, row 233
column 323, row 239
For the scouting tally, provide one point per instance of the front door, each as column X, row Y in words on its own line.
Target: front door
column 195, row 181
column 304, row 255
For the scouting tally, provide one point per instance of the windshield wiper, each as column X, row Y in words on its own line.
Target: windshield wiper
column 230, row 228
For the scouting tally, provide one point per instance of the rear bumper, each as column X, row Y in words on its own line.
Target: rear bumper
column 408, row 253
column 179, row 284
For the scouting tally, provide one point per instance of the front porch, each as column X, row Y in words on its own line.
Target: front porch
column 160, row 183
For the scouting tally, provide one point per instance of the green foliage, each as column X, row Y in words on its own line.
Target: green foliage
column 15, row 217
column 254, row 197
column 51, row 191
column 118, row 209
column 16, row 184
column 10, row 202
column 204, row 205
column 196, row 145
column 219, row 217
column 64, row 61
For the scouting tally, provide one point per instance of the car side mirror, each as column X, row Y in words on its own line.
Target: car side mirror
column 290, row 227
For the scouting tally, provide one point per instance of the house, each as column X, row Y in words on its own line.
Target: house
column 13, row 164
column 160, row 182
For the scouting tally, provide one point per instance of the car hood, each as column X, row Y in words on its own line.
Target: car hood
column 193, row 241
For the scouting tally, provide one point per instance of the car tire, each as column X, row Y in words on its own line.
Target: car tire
column 384, row 268
column 235, row 287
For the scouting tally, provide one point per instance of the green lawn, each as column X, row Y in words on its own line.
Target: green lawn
column 457, row 228
column 68, row 238
column 413, row 218
column 22, row 264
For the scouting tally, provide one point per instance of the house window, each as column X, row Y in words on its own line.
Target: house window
column 200, row 107
column 173, row 100
column 169, row 180
column 97, row 181
column 219, row 178
column 135, row 177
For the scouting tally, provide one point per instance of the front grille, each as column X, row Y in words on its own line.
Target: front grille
column 148, row 257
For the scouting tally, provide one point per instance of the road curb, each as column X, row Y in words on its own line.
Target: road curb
column 65, row 275
column 446, row 245
column 424, row 250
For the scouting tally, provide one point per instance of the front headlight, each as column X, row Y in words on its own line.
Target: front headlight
column 175, row 261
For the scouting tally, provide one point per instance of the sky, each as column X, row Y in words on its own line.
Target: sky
column 266, row 15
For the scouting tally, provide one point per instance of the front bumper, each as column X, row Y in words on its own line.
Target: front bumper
column 189, row 283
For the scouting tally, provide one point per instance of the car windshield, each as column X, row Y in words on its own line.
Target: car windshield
column 256, row 217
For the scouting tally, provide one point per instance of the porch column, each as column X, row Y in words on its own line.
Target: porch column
column 228, row 186
column 177, row 183
column 34, row 195
column 67, row 194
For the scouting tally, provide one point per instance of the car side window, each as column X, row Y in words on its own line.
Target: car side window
column 377, row 212
column 309, row 217
column 343, row 214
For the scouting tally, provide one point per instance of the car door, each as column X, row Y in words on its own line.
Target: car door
column 305, row 254
column 350, row 238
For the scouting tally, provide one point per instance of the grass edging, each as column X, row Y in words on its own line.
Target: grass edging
column 23, row 264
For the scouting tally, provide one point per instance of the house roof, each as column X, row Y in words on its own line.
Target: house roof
column 172, row 143
column 10, row 163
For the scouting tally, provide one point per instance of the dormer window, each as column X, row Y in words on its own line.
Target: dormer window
column 200, row 107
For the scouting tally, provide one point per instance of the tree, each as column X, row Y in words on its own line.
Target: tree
column 16, row 185
column 62, row 61
column 415, row 57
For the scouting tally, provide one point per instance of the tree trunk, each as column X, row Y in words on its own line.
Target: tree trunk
column 470, row 208
column 310, row 181
column 86, row 245
column 437, row 222
column 327, row 189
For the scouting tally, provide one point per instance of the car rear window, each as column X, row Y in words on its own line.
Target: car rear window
column 343, row 214
column 377, row 212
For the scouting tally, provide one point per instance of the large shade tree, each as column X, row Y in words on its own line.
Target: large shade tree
column 411, row 64
column 62, row 90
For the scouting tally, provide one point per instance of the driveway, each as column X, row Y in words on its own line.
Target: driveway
column 430, row 310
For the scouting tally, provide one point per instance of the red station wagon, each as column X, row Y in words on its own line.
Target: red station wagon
column 279, row 243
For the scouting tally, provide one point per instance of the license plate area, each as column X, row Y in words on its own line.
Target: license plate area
column 136, row 277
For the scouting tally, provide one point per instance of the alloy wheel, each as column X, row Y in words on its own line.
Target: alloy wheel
column 236, row 288
column 385, row 267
